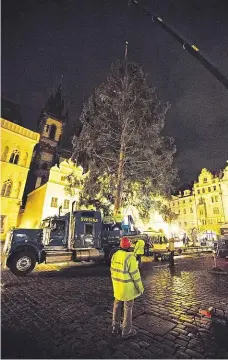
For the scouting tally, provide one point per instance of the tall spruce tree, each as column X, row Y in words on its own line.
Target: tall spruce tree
column 121, row 142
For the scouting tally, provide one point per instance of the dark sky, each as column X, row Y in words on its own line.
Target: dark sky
column 44, row 39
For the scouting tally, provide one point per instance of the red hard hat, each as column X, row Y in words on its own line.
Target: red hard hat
column 125, row 243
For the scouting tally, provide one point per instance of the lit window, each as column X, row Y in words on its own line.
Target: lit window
column 66, row 204
column 6, row 188
column 14, row 158
column 54, row 202
column 3, row 223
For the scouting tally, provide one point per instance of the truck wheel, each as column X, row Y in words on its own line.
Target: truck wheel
column 22, row 263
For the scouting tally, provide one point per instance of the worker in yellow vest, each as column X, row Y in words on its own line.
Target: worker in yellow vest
column 127, row 286
column 139, row 250
column 171, row 249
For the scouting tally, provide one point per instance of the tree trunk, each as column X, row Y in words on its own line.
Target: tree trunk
column 118, row 199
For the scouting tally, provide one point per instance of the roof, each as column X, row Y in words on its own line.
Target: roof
column 11, row 111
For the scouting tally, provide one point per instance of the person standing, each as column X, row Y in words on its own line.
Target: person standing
column 171, row 249
column 127, row 286
column 139, row 250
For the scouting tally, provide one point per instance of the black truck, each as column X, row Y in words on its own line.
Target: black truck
column 77, row 236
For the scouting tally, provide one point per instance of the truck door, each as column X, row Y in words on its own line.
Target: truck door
column 56, row 234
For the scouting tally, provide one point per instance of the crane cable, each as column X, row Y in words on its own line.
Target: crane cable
column 192, row 49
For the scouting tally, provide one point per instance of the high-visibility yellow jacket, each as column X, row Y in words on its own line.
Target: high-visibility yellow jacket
column 139, row 247
column 126, row 279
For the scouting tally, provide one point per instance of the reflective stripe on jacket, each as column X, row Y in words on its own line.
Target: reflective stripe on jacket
column 126, row 279
column 139, row 247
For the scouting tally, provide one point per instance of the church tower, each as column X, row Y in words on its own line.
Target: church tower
column 51, row 124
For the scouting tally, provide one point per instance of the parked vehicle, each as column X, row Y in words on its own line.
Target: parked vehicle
column 76, row 236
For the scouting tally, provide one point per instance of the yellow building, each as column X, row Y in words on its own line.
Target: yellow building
column 17, row 144
column 204, row 209
column 51, row 198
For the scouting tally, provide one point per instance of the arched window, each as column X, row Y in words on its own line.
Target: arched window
column 18, row 190
column 25, row 159
column 6, row 188
column 52, row 132
column 14, row 158
column 5, row 153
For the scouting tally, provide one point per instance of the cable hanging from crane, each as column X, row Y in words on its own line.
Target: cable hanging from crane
column 191, row 48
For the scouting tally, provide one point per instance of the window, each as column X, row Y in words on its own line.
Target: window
column 3, row 223
column 209, row 189
column 212, row 199
column 191, row 210
column 88, row 229
column 184, row 211
column 25, row 159
column 214, row 187
column 216, row 210
column 6, row 188
column 14, row 158
column 198, row 191
column 185, row 224
column 5, row 153
column 18, row 190
column 216, row 198
column 205, row 180
column 203, row 191
column 54, row 202
column 66, row 204
column 63, row 178
column 52, row 132
column 183, row 201
column 180, row 224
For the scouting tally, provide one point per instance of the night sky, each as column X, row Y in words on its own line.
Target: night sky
column 43, row 40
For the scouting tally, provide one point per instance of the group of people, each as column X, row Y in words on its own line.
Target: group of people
column 127, row 283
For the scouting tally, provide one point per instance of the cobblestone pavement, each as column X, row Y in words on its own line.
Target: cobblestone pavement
column 59, row 312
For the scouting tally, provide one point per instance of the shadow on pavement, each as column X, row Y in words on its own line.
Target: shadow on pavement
column 75, row 272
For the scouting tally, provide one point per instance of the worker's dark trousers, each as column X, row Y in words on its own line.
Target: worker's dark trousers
column 127, row 307
column 139, row 259
column 171, row 258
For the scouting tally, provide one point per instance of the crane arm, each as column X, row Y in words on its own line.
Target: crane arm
column 191, row 48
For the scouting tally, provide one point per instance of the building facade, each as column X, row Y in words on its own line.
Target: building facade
column 17, row 144
column 204, row 209
column 51, row 198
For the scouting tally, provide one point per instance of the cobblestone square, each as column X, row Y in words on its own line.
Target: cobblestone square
column 63, row 311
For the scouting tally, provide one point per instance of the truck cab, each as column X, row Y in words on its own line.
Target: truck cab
column 76, row 237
